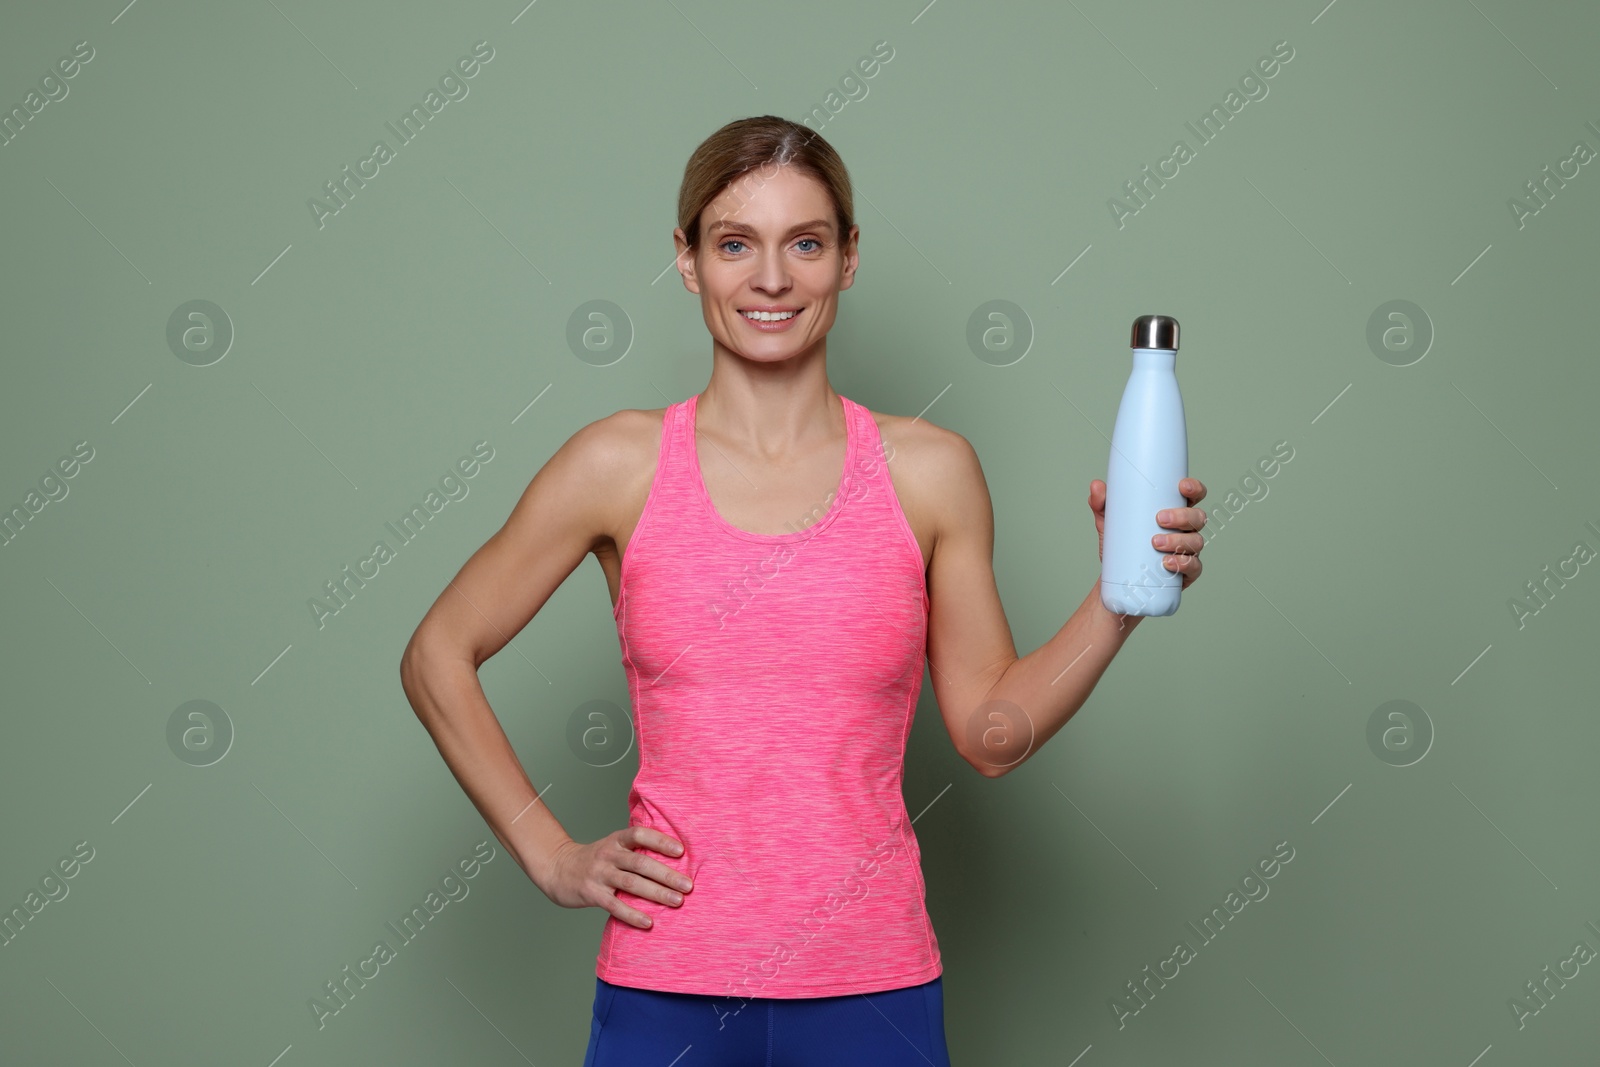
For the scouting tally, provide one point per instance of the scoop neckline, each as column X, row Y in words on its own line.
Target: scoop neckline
column 852, row 442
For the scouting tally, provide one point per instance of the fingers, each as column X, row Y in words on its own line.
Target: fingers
column 654, row 869
column 1184, row 547
column 1193, row 490
column 635, row 872
column 1182, row 564
column 1182, row 518
column 1190, row 518
column 646, row 888
column 609, row 881
column 1188, row 566
column 1178, row 542
column 655, row 840
column 625, row 913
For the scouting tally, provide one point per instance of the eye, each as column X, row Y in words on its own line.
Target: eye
column 730, row 241
column 812, row 240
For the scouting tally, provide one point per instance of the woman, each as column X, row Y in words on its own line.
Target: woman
column 776, row 589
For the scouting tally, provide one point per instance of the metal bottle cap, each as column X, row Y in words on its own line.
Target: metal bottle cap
column 1155, row 331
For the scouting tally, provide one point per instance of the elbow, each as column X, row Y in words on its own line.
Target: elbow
column 421, row 652
column 408, row 675
column 409, row 660
column 985, row 767
column 997, row 763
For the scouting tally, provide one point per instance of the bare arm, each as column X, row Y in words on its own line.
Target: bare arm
column 998, row 708
column 560, row 518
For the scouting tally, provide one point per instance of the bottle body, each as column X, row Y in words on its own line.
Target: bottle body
column 1149, row 456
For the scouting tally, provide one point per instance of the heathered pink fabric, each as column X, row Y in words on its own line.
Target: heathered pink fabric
column 774, row 678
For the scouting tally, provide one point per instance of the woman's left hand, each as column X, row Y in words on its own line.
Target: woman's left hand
column 1182, row 548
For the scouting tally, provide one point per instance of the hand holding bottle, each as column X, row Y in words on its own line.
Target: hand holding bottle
column 1183, row 548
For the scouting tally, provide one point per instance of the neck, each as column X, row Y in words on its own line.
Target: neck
column 779, row 409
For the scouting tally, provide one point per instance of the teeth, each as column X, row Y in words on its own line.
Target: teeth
column 769, row 316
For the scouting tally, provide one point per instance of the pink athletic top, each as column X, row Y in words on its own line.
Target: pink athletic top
column 774, row 678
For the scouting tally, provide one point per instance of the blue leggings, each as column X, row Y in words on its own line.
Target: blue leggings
column 648, row 1028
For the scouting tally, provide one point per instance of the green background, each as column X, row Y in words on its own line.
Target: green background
column 369, row 355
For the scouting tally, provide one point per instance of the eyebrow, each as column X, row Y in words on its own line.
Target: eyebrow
column 734, row 224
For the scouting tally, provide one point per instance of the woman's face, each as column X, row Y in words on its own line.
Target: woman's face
column 769, row 241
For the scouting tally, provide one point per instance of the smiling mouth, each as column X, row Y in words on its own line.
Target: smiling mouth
column 770, row 316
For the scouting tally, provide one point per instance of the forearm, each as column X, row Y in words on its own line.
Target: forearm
column 449, row 700
column 1053, row 681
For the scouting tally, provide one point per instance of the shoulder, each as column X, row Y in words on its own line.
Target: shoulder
column 622, row 438
column 936, row 472
column 609, row 461
column 927, row 452
column 613, row 444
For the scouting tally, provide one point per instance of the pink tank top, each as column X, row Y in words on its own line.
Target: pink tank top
column 774, row 678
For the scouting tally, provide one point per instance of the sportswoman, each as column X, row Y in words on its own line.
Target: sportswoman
column 781, row 561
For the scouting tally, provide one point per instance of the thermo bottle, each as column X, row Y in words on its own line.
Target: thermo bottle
column 1149, row 455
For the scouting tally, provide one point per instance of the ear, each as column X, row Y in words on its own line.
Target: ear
column 685, row 261
column 852, row 259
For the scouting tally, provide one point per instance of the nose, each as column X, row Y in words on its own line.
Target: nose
column 773, row 273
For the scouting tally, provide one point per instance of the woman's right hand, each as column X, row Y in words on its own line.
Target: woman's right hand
column 584, row 876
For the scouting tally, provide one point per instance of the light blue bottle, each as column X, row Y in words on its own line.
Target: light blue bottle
column 1149, row 455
